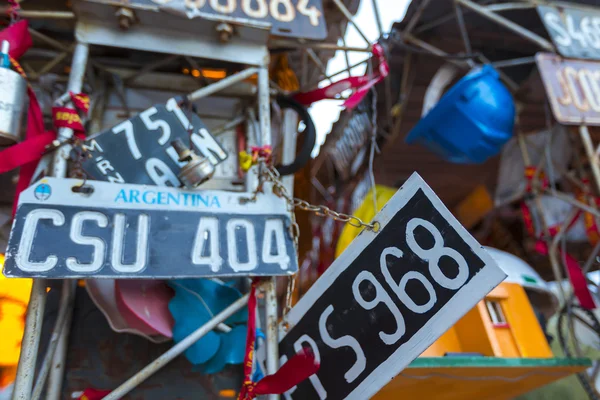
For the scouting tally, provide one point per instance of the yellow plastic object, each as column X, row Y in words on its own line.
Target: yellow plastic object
column 14, row 296
column 366, row 213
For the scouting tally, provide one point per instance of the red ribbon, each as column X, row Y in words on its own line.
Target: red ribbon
column 64, row 117
column 361, row 84
column 18, row 37
column 93, row 394
column 580, row 287
column 296, row 370
column 81, row 101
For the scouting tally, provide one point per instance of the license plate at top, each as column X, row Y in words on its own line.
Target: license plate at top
column 138, row 231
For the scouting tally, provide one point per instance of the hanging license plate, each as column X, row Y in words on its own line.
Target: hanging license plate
column 139, row 149
column 137, row 231
column 388, row 297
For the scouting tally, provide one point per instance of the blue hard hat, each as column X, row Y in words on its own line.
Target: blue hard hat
column 471, row 122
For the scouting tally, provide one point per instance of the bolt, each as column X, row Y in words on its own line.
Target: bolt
column 182, row 150
column 225, row 32
column 126, row 17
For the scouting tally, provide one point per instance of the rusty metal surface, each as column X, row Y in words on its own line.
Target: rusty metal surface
column 103, row 359
column 572, row 87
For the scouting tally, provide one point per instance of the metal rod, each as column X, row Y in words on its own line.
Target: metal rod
column 150, row 67
column 415, row 18
column 51, row 64
column 525, row 33
column 37, row 302
column 66, row 303
column 78, row 68
column 317, row 61
column 584, row 133
column 463, row 29
column 553, row 250
column 513, row 62
column 350, row 18
column 176, row 350
column 264, row 116
column 229, row 125
column 222, row 84
column 592, row 257
column 55, row 380
column 377, row 17
column 510, row 6
column 279, row 43
column 31, row 341
column 34, row 14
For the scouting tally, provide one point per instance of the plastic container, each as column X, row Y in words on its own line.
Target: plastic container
column 471, row 122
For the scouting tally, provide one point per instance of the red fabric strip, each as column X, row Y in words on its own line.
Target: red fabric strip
column 18, row 37
column 580, row 287
column 64, row 117
column 361, row 84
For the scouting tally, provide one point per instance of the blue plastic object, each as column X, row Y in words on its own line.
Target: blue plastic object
column 471, row 122
column 195, row 302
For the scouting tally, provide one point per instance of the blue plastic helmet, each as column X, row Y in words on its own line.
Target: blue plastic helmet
column 471, row 122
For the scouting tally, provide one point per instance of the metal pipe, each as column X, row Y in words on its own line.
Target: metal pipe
column 78, row 67
column 350, row 18
column 176, row 350
column 31, row 341
column 415, row 19
column 518, row 29
column 55, row 380
column 34, row 14
column 584, row 133
column 66, row 304
column 229, row 125
column 37, row 302
column 264, row 116
column 283, row 43
column 510, row 6
column 222, row 84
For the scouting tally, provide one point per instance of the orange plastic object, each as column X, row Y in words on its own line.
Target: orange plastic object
column 520, row 334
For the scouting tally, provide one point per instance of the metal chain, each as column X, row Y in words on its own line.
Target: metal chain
column 272, row 175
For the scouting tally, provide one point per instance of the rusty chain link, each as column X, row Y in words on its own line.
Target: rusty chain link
column 271, row 175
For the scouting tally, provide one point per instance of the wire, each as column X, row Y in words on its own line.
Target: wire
column 583, row 378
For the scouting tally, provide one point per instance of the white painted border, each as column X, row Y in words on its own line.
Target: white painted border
column 105, row 193
column 465, row 299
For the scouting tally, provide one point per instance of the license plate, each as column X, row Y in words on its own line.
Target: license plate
column 139, row 149
column 137, row 231
column 574, row 31
column 572, row 87
column 291, row 18
column 388, row 297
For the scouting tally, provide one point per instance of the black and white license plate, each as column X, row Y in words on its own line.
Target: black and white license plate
column 292, row 18
column 137, row 231
column 388, row 297
column 574, row 31
column 139, row 149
